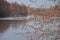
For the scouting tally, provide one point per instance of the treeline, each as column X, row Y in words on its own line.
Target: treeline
column 4, row 8
column 15, row 9
column 12, row 9
column 52, row 11
column 18, row 10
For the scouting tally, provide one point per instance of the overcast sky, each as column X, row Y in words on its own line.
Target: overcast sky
column 39, row 3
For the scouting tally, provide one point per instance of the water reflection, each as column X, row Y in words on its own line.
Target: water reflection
column 30, row 30
column 8, row 29
column 4, row 25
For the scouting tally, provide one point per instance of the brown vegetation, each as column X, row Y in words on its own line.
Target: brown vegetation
column 12, row 9
column 15, row 9
column 18, row 10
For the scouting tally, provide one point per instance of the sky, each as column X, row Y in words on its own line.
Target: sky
column 39, row 3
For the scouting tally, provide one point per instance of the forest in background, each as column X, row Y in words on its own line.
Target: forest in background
column 12, row 9
column 16, row 10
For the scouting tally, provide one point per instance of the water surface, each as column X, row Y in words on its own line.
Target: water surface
column 30, row 29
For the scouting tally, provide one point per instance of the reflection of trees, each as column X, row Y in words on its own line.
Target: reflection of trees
column 4, row 25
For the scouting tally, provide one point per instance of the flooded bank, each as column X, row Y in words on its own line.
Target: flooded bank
column 30, row 30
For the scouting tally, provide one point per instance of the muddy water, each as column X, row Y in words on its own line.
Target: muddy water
column 29, row 30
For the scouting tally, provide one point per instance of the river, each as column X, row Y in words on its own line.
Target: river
column 29, row 30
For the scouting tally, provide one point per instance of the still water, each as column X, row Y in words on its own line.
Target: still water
column 12, row 30
column 29, row 30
